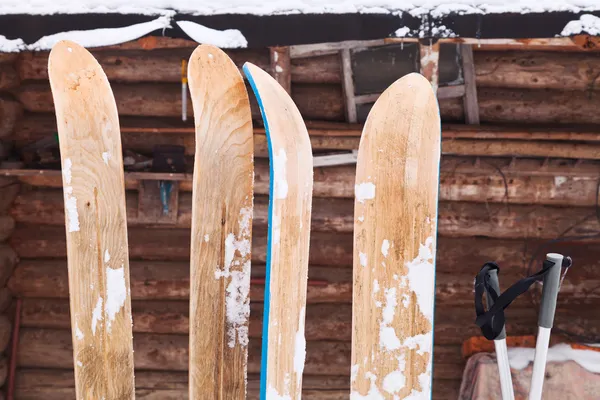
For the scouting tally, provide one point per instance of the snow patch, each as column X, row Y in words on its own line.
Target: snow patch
column 280, row 188
column 116, row 293
column 402, row 32
column 520, row 358
column 71, row 209
column 363, row 259
column 385, row 247
column 95, row 37
column 364, row 191
column 278, row 68
column 353, row 372
column 300, row 349
column 387, row 335
column 237, row 302
column 106, row 256
column 96, row 315
column 206, row 238
column 106, row 157
column 373, row 394
column 11, row 45
column 66, row 171
column 229, row 38
column 394, row 382
column 78, row 334
column 587, row 23
column 421, row 272
column 559, row 180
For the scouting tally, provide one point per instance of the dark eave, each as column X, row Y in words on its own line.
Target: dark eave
column 298, row 29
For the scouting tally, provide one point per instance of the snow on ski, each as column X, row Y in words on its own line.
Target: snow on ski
column 221, row 226
column 96, row 224
column 290, row 198
column 394, row 244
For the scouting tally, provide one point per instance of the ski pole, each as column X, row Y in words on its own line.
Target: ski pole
column 506, row 384
column 546, row 319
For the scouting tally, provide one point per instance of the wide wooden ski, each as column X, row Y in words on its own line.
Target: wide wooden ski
column 222, row 202
column 290, row 199
column 96, row 224
column 395, row 222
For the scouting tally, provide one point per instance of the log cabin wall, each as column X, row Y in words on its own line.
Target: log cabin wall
column 10, row 111
column 527, row 176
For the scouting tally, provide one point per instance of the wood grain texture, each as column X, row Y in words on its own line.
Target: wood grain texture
column 222, row 207
column 395, row 243
column 288, row 239
column 96, row 224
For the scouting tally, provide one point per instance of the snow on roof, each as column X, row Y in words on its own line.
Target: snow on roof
column 435, row 8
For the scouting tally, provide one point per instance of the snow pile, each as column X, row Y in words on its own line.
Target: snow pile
column 520, row 358
column 229, row 38
column 587, row 23
column 436, row 8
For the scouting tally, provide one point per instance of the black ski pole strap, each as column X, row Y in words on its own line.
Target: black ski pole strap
column 492, row 321
column 492, row 329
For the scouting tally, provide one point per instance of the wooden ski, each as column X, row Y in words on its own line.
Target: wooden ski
column 290, row 198
column 222, row 202
column 394, row 244
column 96, row 224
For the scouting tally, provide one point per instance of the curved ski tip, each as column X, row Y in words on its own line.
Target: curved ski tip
column 250, row 69
column 67, row 56
column 207, row 53
column 414, row 79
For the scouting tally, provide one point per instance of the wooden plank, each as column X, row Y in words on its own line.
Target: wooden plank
column 395, row 242
column 221, row 225
column 519, row 148
column 315, row 101
column 58, row 384
column 470, row 98
column 495, row 180
column 51, row 349
column 583, row 42
column 88, row 126
column 450, row 92
column 281, row 67
column 430, row 54
column 319, row 49
column 348, row 85
column 290, row 156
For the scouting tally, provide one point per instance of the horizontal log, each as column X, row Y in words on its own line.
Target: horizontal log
column 158, row 65
column 8, row 58
column 49, row 348
column 164, row 65
column 10, row 187
column 504, row 148
column 169, row 281
column 536, row 70
column 56, row 384
column 10, row 113
column 558, row 182
column 323, row 321
column 9, row 79
column 456, row 219
column 453, row 324
column 8, row 260
column 5, row 335
column 7, row 226
column 47, row 207
column 320, row 102
column 457, row 262
column 45, row 241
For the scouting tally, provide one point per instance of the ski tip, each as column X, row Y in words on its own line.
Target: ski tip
column 249, row 69
column 413, row 80
column 67, row 56
column 209, row 54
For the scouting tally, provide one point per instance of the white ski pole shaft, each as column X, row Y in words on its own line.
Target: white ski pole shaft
column 184, row 82
column 545, row 322
column 506, row 384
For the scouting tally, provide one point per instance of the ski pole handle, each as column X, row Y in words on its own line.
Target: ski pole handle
column 495, row 284
column 550, row 291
